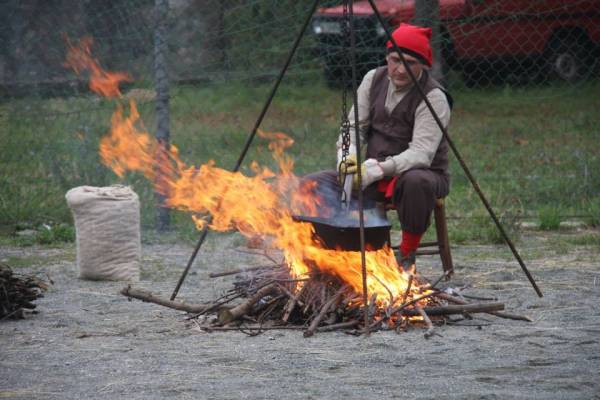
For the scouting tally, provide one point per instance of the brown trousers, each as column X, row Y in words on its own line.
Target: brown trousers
column 415, row 193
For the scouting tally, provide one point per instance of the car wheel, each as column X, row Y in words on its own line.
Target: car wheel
column 566, row 66
column 567, row 62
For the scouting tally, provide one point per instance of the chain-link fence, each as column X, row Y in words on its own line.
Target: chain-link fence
column 484, row 42
column 211, row 41
column 221, row 59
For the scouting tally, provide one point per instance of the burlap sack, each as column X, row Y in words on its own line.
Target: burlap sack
column 107, row 225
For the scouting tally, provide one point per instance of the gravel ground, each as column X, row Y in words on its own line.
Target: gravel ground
column 88, row 341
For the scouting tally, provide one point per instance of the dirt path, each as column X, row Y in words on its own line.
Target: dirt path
column 90, row 342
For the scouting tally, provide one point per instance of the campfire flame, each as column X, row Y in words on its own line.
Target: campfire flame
column 79, row 58
column 261, row 205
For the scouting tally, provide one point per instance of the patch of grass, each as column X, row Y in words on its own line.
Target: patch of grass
column 477, row 226
column 566, row 243
column 480, row 230
column 531, row 149
column 23, row 262
column 592, row 212
column 591, row 239
column 44, row 234
column 50, row 234
column 37, row 261
column 550, row 218
column 22, row 241
column 509, row 220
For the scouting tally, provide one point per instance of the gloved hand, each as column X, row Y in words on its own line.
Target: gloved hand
column 370, row 172
column 347, row 167
column 344, row 166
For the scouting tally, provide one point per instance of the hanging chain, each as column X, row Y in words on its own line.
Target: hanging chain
column 345, row 124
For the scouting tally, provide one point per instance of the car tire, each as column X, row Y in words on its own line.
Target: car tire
column 567, row 60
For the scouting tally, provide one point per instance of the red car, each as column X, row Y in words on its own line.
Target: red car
column 487, row 40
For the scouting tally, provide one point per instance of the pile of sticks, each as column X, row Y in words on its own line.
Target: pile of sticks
column 271, row 299
column 17, row 292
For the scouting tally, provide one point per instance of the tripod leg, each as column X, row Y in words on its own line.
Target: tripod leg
column 457, row 154
column 250, row 138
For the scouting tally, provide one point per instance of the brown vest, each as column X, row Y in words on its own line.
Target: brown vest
column 390, row 135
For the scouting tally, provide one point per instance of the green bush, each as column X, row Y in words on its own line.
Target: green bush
column 593, row 213
column 51, row 234
column 550, row 218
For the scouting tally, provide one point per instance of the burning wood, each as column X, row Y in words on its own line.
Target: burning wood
column 17, row 293
column 325, row 303
column 227, row 315
column 271, row 298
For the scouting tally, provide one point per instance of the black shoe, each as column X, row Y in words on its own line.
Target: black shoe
column 405, row 262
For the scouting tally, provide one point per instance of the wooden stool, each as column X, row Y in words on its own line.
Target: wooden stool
column 442, row 243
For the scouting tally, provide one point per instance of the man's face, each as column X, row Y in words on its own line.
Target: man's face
column 396, row 71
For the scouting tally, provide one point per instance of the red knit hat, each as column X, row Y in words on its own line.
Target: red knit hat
column 413, row 40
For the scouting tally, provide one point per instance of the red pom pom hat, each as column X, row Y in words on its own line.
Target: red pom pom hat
column 413, row 40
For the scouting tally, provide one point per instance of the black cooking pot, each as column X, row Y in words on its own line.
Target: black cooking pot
column 342, row 231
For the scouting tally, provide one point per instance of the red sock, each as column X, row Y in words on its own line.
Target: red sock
column 410, row 242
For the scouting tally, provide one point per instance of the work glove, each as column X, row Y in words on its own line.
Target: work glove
column 370, row 172
column 350, row 162
column 346, row 167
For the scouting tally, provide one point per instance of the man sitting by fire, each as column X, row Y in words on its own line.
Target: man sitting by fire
column 406, row 153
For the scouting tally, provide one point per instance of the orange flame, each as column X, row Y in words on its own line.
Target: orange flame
column 257, row 206
column 253, row 205
column 80, row 59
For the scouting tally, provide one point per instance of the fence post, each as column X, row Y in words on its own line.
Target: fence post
column 427, row 13
column 161, row 84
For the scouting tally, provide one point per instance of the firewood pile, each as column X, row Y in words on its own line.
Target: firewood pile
column 17, row 293
column 268, row 298
column 271, row 300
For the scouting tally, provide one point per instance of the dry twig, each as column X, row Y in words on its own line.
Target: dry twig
column 227, row 315
column 429, row 332
column 331, row 303
column 150, row 298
